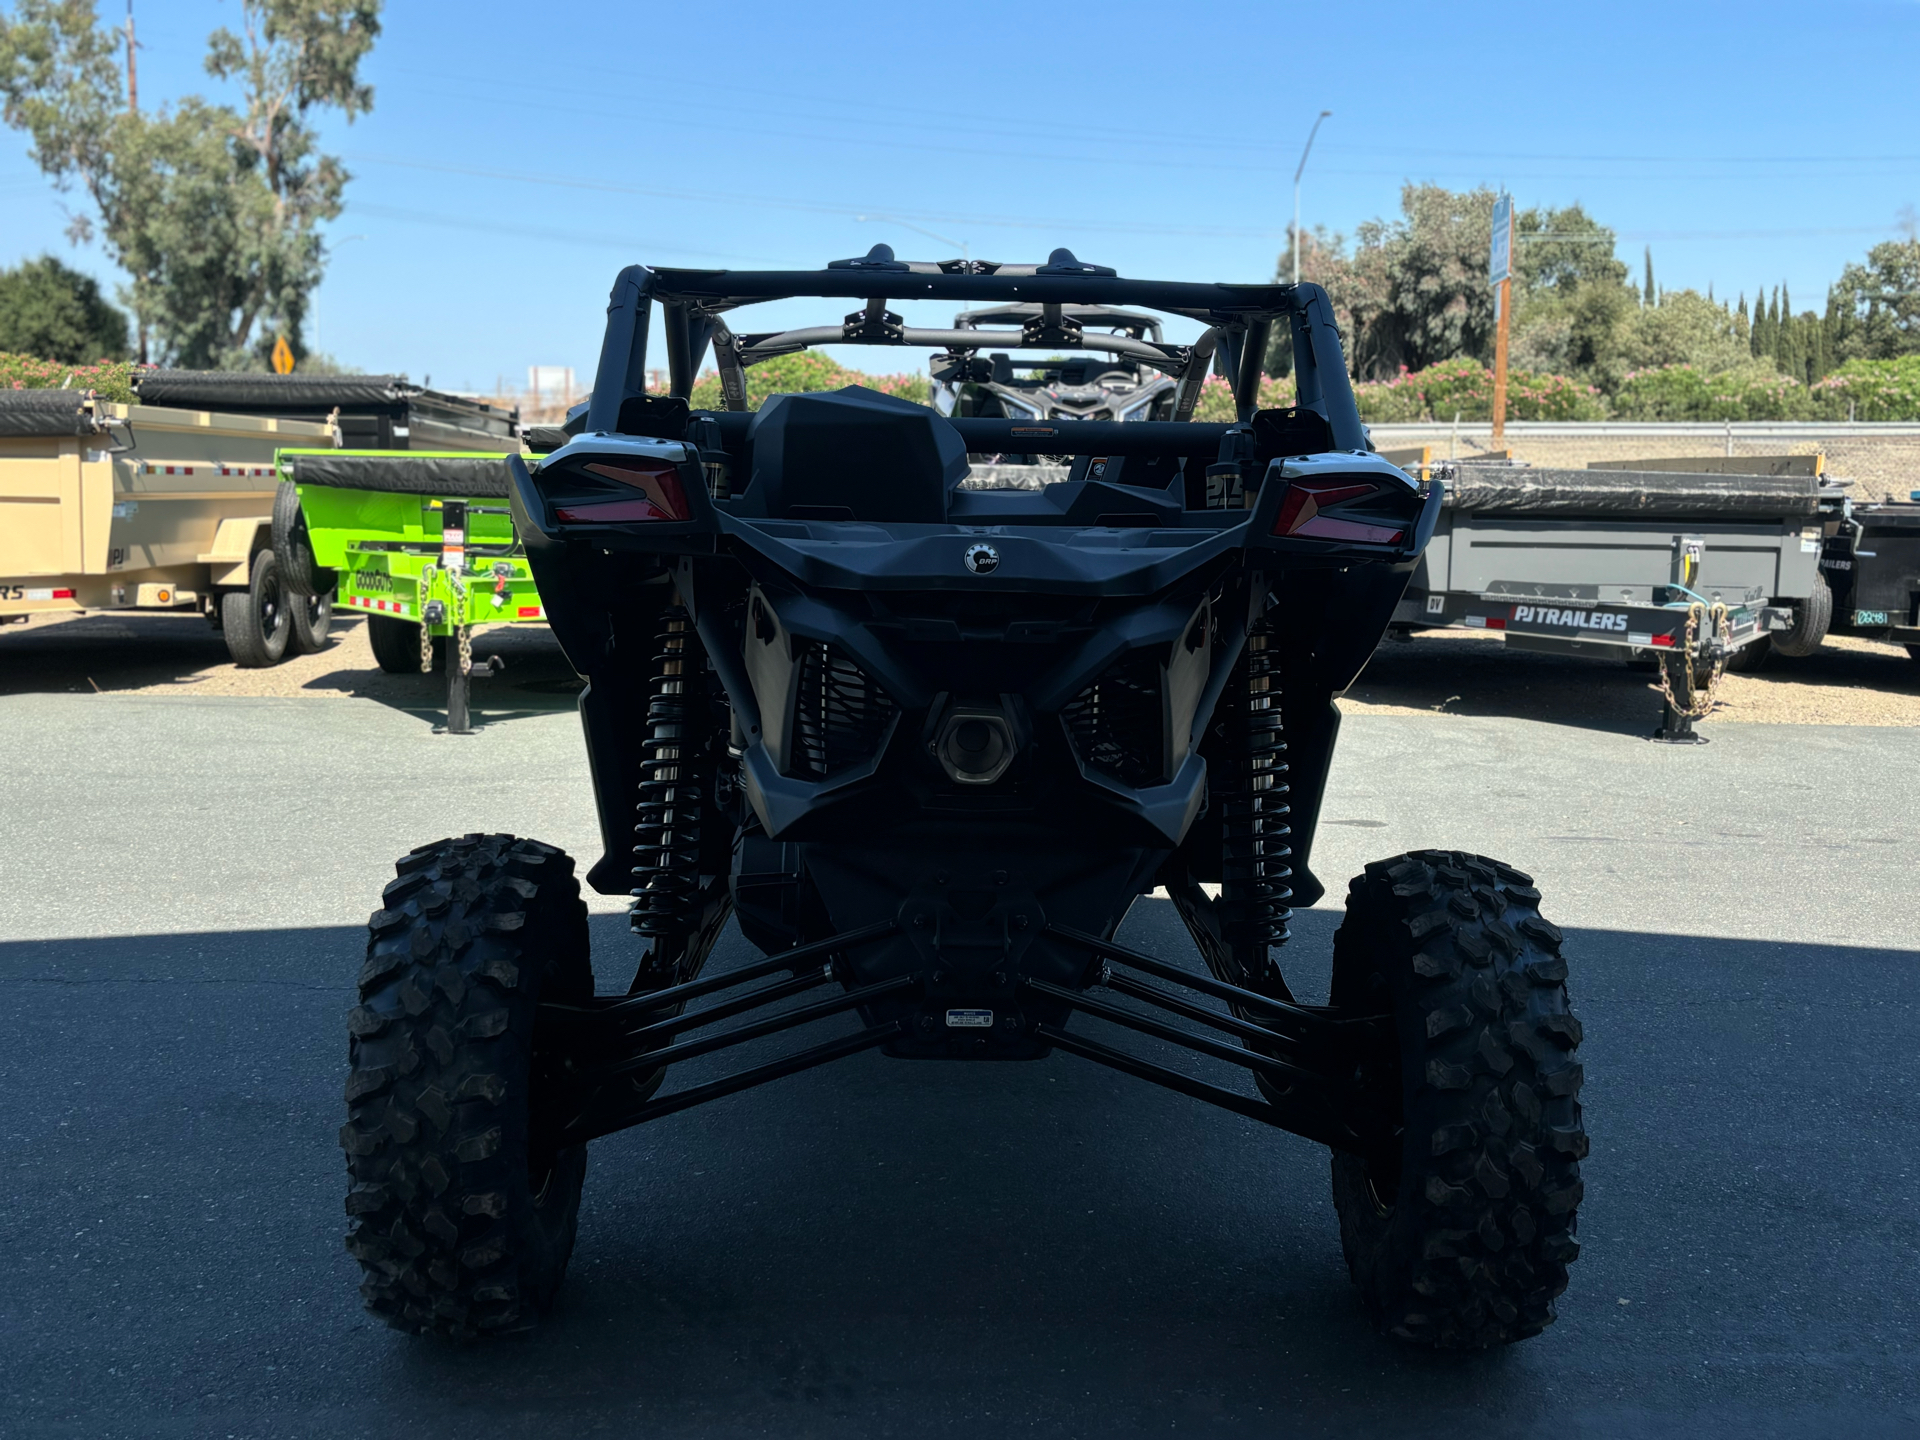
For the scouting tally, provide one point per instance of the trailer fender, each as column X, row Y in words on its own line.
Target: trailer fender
column 235, row 543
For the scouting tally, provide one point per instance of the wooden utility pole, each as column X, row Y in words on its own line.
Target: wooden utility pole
column 1500, row 270
column 133, row 80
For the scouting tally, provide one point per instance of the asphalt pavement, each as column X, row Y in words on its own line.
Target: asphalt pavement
column 883, row 1248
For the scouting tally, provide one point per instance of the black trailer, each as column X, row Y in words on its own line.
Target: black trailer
column 1873, row 566
column 1691, row 568
column 373, row 412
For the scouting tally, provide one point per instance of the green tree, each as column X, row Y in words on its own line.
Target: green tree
column 1647, row 283
column 212, row 211
column 56, row 313
column 1872, row 305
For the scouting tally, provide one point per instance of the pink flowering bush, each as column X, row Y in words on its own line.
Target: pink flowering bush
column 805, row 370
column 1869, row 390
column 1383, row 402
column 111, row 379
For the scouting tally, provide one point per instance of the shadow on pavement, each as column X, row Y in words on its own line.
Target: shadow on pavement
column 942, row 1249
column 1448, row 672
column 156, row 653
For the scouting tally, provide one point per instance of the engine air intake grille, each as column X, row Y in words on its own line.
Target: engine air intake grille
column 1115, row 724
column 840, row 716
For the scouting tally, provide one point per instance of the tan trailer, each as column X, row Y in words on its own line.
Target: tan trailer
column 106, row 506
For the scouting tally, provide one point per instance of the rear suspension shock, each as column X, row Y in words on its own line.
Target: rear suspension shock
column 1258, row 852
column 666, row 868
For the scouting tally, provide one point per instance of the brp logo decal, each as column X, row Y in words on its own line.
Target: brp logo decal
column 982, row 559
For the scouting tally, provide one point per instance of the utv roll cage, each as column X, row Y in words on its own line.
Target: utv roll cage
column 1239, row 321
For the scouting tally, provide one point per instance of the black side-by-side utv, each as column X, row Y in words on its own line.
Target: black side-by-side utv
column 927, row 744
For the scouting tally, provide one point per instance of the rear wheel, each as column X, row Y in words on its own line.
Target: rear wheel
column 464, row 1205
column 313, row 619
column 1811, row 620
column 257, row 621
column 1460, row 1232
column 396, row 645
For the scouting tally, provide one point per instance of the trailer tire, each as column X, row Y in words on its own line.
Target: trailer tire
column 1751, row 657
column 1812, row 617
column 1484, row 1173
column 313, row 619
column 396, row 645
column 293, row 547
column 257, row 620
column 464, row 1212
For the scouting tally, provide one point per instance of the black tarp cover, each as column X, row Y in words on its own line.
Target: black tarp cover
column 46, row 413
column 1525, row 490
column 210, row 389
column 463, row 477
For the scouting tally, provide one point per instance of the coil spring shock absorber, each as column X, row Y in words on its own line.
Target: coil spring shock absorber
column 667, row 827
column 1257, row 863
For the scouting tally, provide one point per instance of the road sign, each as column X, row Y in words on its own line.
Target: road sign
column 1500, row 251
column 282, row 356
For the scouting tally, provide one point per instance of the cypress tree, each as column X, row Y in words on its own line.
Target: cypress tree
column 1647, row 284
column 1758, row 326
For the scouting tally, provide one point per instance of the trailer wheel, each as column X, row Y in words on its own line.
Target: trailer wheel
column 1811, row 620
column 464, row 1210
column 293, row 548
column 1460, row 1234
column 313, row 619
column 396, row 645
column 257, row 620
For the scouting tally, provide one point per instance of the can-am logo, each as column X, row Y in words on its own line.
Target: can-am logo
column 1576, row 619
column 982, row 559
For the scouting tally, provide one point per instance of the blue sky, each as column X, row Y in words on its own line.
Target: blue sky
column 518, row 155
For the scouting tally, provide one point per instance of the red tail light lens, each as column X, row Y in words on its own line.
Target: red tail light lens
column 1302, row 514
column 660, row 498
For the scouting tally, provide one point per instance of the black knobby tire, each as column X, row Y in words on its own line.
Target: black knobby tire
column 1812, row 617
column 312, row 617
column 396, row 645
column 1460, row 1236
column 293, row 547
column 464, row 1212
column 257, row 621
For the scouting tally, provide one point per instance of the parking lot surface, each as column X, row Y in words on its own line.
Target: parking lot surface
column 938, row 1249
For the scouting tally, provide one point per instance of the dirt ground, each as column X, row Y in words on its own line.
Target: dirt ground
column 155, row 654
column 1848, row 682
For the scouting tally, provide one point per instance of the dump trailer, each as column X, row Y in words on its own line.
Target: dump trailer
column 421, row 543
column 1689, row 568
column 105, row 506
column 1873, row 566
column 370, row 412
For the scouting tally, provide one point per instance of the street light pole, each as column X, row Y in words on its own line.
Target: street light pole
column 1297, row 191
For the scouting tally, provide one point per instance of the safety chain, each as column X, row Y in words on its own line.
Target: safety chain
column 1700, row 700
column 464, row 632
column 426, row 639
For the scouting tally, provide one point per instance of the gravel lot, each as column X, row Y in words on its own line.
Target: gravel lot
column 1849, row 682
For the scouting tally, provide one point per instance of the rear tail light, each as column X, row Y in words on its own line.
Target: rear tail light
column 660, row 498
column 1304, row 512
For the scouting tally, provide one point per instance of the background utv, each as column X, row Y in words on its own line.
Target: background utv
column 927, row 745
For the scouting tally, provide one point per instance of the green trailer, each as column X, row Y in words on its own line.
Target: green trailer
column 421, row 542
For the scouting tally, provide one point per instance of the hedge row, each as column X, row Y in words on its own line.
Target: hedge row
column 112, row 379
column 1876, row 389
